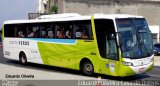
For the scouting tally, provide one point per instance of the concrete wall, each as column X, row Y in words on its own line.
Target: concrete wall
column 150, row 9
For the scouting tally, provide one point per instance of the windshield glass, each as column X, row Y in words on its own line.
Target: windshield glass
column 135, row 37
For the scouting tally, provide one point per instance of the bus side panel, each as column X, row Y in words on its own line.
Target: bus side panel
column 84, row 49
column 9, row 51
column 13, row 46
column 57, row 54
column 65, row 55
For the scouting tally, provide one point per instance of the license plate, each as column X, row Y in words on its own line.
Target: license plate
column 141, row 69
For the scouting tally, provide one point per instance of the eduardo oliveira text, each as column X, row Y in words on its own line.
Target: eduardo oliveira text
column 19, row 76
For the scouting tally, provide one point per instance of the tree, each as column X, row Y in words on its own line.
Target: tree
column 54, row 9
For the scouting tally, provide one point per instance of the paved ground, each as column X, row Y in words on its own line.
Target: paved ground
column 41, row 72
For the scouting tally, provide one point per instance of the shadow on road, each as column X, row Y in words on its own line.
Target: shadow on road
column 64, row 70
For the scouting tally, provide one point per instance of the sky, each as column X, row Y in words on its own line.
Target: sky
column 16, row 9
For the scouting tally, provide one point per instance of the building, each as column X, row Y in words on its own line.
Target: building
column 44, row 6
column 150, row 9
column 155, row 33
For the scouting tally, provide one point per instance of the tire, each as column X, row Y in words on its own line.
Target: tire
column 87, row 68
column 23, row 59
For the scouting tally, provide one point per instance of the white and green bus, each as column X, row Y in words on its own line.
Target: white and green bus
column 113, row 44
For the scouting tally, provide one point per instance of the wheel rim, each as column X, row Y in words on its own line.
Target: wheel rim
column 88, row 68
column 23, row 60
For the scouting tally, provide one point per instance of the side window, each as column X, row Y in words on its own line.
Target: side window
column 33, row 31
column 9, row 30
column 82, row 30
column 48, row 31
column 60, row 32
column 43, row 32
column 78, row 31
column 111, row 48
column 21, row 31
column 69, row 31
column 64, row 30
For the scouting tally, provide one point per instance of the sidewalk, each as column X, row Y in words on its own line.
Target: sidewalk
column 157, row 60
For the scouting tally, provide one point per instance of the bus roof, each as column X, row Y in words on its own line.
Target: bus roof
column 70, row 17
column 114, row 16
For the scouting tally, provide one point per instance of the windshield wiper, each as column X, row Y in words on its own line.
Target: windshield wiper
column 142, row 44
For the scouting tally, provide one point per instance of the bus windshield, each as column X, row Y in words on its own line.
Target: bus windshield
column 135, row 38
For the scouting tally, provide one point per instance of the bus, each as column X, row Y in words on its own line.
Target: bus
column 112, row 44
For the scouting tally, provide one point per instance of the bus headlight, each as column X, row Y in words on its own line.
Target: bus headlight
column 127, row 63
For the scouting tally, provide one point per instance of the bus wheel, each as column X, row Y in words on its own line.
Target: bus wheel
column 87, row 68
column 23, row 58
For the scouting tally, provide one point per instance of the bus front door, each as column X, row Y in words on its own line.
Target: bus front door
column 111, row 54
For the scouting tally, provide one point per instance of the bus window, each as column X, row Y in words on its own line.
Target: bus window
column 50, row 30
column 69, row 31
column 68, row 34
column 84, row 34
column 21, row 30
column 82, row 30
column 33, row 31
column 78, row 33
column 111, row 48
column 60, row 32
column 50, row 34
column 64, row 30
column 9, row 31
column 43, row 32
column 20, row 34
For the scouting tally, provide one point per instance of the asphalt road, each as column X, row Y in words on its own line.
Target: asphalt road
column 41, row 72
